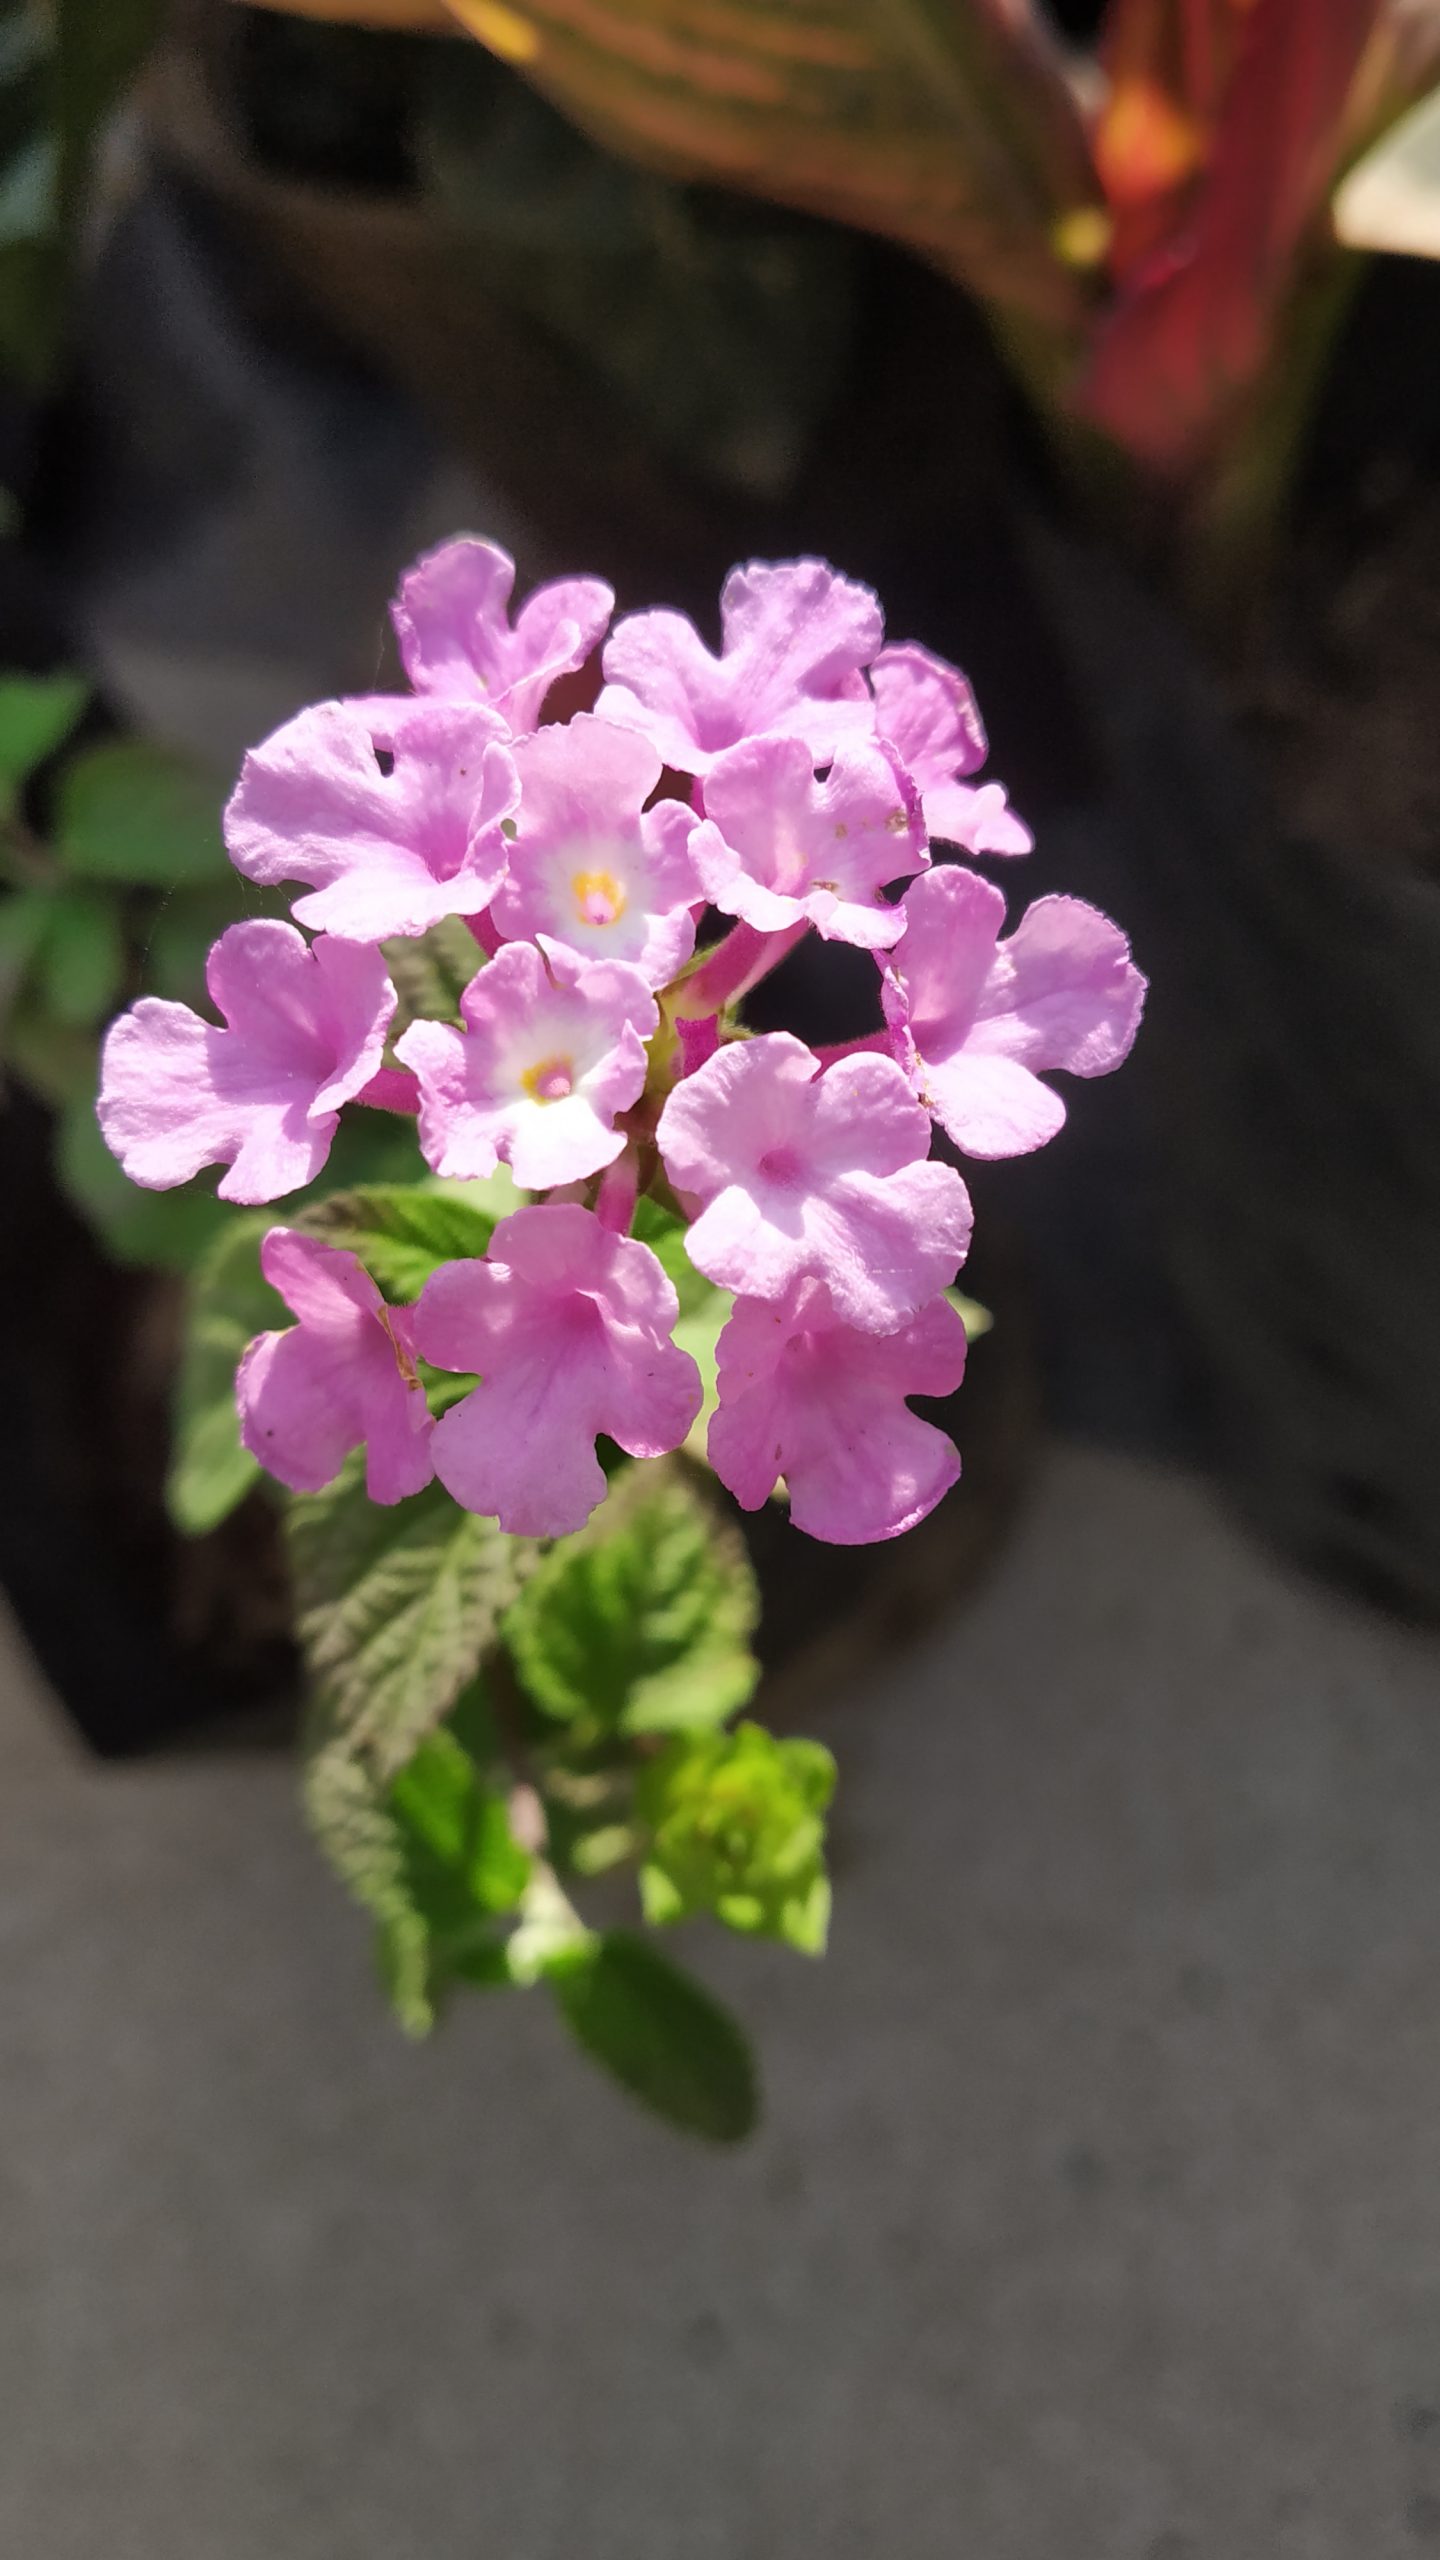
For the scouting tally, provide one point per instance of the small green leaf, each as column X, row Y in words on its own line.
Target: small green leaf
column 402, row 1232
column 37, row 714
column 395, row 1606
column 347, row 1813
column 664, row 2039
column 737, row 1828
column 133, row 812
column 464, row 1860
column 227, row 1304
column 642, row 1621
column 80, row 967
column 665, row 1234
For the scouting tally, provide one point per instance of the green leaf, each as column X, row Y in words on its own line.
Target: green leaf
column 80, row 967
column 347, row 1813
column 37, row 714
column 402, row 1232
column 664, row 2039
column 395, row 1607
column 665, row 1234
column 464, row 1861
column 642, row 1621
column 160, row 1230
column 131, row 811
column 737, row 1828
column 227, row 1304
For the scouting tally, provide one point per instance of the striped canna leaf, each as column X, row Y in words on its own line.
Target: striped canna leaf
column 945, row 124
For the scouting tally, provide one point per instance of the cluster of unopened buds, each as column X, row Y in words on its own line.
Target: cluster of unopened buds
column 790, row 785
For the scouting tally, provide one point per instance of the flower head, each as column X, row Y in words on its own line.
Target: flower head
column 804, row 1396
column 803, row 1175
column 394, row 809
column 593, row 872
column 926, row 711
column 538, row 1073
column 305, row 1028
column 343, row 1375
column 452, row 619
column 569, row 1327
column 978, row 1020
column 779, row 848
column 794, row 637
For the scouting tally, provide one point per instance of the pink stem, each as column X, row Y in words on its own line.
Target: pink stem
column 699, row 1040
column 486, row 933
column 615, row 1200
column 391, row 1089
column 879, row 1042
column 735, row 966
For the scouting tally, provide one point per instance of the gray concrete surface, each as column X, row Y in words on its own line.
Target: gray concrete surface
column 1096, row 2217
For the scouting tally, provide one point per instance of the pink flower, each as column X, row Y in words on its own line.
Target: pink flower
column 779, row 848
column 452, row 620
column 345, row 1374
column 539, row 1072
column 569, row 1327
column 926, row 711
column 795, row 636
column 593, row 872
column 394, row 809
column 305, row 1030
column 978, row 1020
column 800, row 1175
column 805, row 1397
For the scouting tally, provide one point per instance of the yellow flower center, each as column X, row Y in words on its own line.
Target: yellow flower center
column 550, row 1081
column 599, row 898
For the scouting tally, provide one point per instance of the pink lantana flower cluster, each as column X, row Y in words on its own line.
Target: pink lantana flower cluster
column 795, row 783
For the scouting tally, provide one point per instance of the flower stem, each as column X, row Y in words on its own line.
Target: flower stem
column 735, row 966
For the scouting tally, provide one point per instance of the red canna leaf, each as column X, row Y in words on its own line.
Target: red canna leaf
column 1195, row 324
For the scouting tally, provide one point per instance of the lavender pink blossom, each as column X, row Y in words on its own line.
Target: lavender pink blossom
column 394, row 810
column 779, row 848
column 341, row 1377
column 593, row 872
column 796, row 1174
column 804, row 1396
column 304, row 1030
column 543, row 1065
column 977, row 1021
column 925, row 711
column 569, row 1327
column 794, row 638
column 452, row 619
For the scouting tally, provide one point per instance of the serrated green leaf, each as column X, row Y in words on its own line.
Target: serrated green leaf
column 80, row 966
column 37, row 714
column 402, row 1232
column 347, row 1813
column 666, row 2041
column 227, row 1304
column 395, row 1607
column 642, row 1621
column 736, row 1825
column 464, row 1861
column 131, row 811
